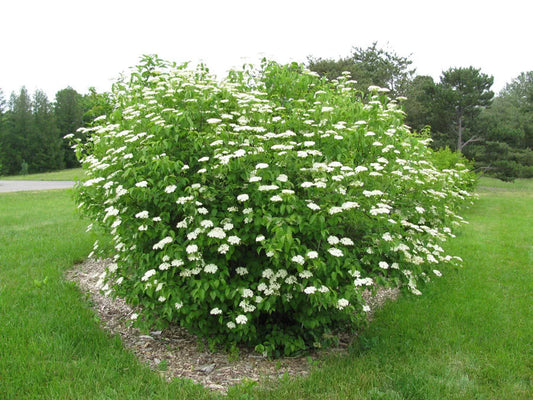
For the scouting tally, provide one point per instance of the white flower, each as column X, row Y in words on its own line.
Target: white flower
column 183, row 200
column 305, row 274
column 177, row 263
column 215, row 311
column 349, row 205
column 156, row 219
column 255, row 178
column 203, row 159
column 202, row 210
column 141, row 184
column 134, row 316
column 327, row 109
column 170, row 189
column 111, row 211
column 310, row 290
column 282, row 178
column 291, row 280
column 182, row 224
column 341, row 303
column 369, row 193
column 243, row 197
column 432, row 259
column 313, row 206
column 192, row 248
column 347, row 241
column 312, row 255
column 335, row 210
column 206, row 223
column 247, row 211
column 241, row 271
column 162, row 243
column 261, row 166
column 210, row 268
column 437, row 272
column 192, row 235
column 333, row 240
column 223, row 248
column 241, row 319
column 362, row 281
column 298, row 259
column 335, row 252
column 178, row 305
column 142, row 214
column 387, row 237
column 420, row 210
column 247, row 293
column 366, row 308
column 259, row 238
column 383, row 265
column 148, row 274
column 217, row 233
column 276, row 198
column 164, row 266
column 161, row 299
column 268, row 273
column 264, row 188
column 234, row 240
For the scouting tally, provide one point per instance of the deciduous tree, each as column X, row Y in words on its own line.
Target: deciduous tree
column 370, row 66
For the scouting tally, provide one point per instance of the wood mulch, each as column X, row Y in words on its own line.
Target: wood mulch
column 176, row 353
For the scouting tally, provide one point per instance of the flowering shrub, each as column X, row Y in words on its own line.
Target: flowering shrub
column 258, row 209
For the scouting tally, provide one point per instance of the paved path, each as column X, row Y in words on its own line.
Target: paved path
column 17, row 186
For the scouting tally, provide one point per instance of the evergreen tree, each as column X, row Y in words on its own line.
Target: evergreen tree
column 2, row 129
column 18, row 127
column 463, row 93
column 69, row 117
column 46, row 144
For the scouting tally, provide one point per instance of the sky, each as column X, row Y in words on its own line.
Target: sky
column 53, row 44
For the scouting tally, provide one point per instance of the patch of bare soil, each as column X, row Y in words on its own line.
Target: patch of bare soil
column 176, row 353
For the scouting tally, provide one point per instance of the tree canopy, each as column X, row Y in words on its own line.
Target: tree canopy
column 372, row 66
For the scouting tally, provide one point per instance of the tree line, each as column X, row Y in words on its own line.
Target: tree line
column 460, row 112
column 32, row 128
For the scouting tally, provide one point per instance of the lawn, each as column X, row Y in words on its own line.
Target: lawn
column 72, row 174
column 470, row 336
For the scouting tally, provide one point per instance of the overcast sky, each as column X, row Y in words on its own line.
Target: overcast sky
column 52, row 44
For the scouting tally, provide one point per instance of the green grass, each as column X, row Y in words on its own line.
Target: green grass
column 72, row 174
column 469, row 337
column 51, row 346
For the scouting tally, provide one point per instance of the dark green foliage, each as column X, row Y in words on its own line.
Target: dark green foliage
column 508, row 126
column 69, row 113
column 32, row 129
column 370, row 66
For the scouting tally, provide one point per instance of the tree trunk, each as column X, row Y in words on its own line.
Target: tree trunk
column 460, row 135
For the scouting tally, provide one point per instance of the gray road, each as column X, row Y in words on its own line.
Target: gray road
column 17, row 186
